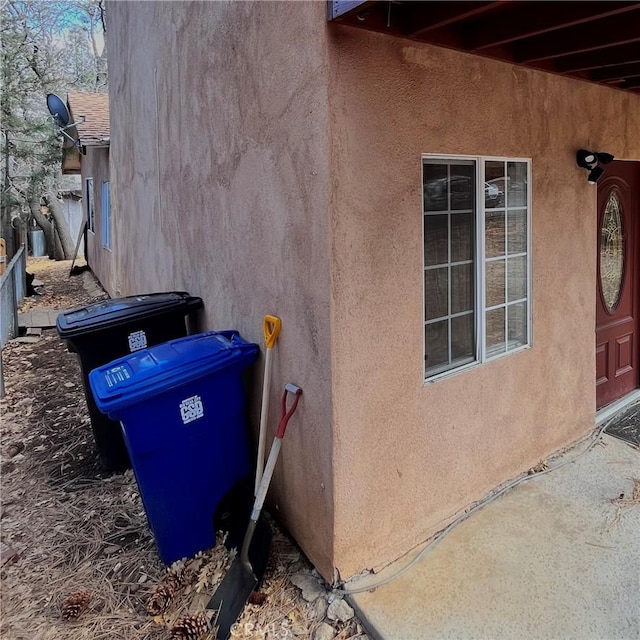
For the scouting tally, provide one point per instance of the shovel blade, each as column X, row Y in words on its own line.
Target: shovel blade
column 230, row 597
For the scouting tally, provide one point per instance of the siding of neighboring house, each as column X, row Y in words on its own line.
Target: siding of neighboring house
column 274, row 166
column 95, row 164
column 221, row 157
column 74, row 215
column 410, row 455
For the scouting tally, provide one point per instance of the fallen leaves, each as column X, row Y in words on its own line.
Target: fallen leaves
column 622, row 503
column 79, row 530
column 634, row 500
column 539, row 468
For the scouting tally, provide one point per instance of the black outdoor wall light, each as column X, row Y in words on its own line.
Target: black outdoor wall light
column 590, row 160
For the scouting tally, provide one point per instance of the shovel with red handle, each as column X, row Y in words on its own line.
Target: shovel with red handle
column 230, row 597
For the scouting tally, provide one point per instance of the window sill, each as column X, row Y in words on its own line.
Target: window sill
column 445, row 375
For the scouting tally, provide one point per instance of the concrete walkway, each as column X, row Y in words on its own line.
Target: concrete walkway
column 555, row 559
column 41, row 317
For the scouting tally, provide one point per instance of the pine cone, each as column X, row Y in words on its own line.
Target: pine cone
column 187, row 576
column 190, row 627
column 74, row 606
column 163, row 593
column 173, row 582
column 160, row 599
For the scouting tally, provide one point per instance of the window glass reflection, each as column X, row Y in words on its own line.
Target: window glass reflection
column 462, row 237
column 516, row 184
column 462, row 186
column 436, row 239
column 494, row 234
column 517, row 231
column 495, row 331
column 434, row 180
column 436, row 344
column 517, row 324
column 495, row 283
column 517, row 278
column 462, row 337
column 494, row 184
column 436, row 293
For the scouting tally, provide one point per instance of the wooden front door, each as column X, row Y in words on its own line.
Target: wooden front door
column 618, row 282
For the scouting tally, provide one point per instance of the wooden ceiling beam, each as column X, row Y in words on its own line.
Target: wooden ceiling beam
column 614, row 30
column 423, row 17
column 610, row 57
column 631, row 83
column 615, row 72
column 595, row 41
column 525, row 20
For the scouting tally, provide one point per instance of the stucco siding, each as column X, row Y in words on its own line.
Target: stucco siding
column 219, row 137
column 271, row 163
column 410, row 455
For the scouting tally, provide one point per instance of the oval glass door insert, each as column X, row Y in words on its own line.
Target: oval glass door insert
column 612, row 253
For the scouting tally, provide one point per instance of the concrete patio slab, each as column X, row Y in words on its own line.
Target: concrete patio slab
column 555, row 558
column 42, row 317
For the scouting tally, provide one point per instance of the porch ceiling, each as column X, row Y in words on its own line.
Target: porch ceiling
column 597, row 41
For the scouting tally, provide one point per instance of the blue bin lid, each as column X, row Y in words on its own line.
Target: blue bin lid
column 107, row 314
column 150, row 372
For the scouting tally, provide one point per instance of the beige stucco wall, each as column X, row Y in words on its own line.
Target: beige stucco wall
column 271, row 163
column 409, row 455
column 219, row 121
column 95, row 164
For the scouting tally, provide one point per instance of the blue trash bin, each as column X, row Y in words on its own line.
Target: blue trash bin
column 182, row 412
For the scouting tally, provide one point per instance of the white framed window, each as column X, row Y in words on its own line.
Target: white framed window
column 106, row 215
column 477, row 260
column 90, row 206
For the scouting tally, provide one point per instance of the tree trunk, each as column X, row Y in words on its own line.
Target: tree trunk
column 59, row 251
column 61, row 226
column 47, row 227
column 60, row 244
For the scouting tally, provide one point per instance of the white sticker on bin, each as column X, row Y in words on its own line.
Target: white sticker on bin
column 116, row 375
column 137, row 341
column 191, row 409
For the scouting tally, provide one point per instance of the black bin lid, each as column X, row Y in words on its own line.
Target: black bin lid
column 107, row 314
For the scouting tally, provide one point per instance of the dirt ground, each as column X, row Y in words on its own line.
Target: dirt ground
column 67, row 526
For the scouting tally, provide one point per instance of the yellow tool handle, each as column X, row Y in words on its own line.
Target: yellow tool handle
column 272, row 325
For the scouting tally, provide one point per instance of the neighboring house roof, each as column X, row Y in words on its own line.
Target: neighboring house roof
column 90, row 112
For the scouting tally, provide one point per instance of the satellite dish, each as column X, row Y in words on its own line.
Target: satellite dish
column 58, row 109
column 62, row 118
column 71, row 137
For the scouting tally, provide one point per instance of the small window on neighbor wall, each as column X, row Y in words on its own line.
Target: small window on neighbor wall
column 106, row 215
column 90, row 206
column 476, row 260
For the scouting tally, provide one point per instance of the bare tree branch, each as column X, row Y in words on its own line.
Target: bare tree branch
column 47, row 46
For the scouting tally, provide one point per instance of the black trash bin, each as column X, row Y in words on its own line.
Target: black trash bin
column 110, row 329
